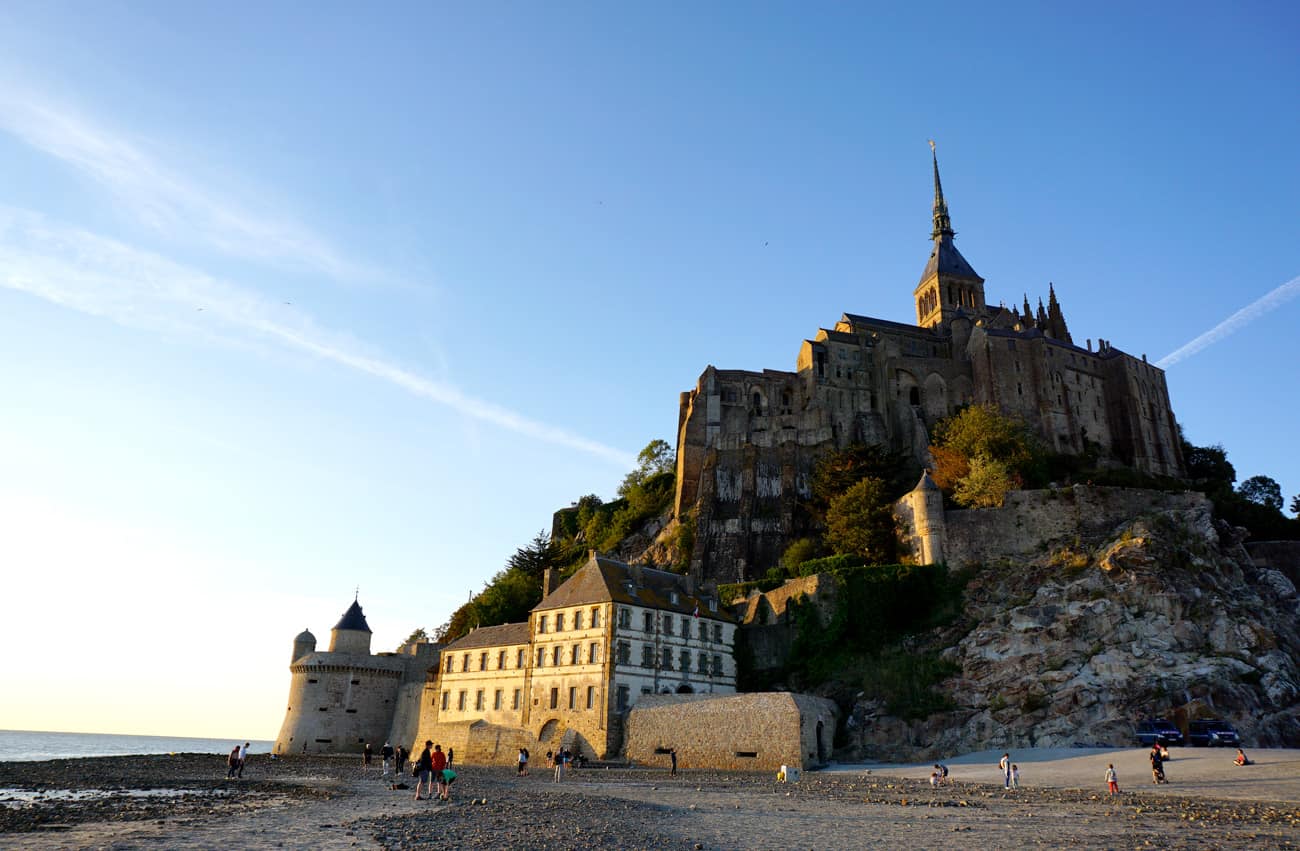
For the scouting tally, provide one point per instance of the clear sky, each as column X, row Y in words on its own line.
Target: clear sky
column 301, row 297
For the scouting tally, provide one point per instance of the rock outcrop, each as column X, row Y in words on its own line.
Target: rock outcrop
column 1167, row 617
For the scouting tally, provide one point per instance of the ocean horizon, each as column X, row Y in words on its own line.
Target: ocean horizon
column 34, row 745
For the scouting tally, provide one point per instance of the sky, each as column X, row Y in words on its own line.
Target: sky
column 298, row 303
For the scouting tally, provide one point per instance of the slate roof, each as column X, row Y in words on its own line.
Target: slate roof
column 945, row 259
column 353, row 619
column 603, row 580
column 859, row 319
column 491, row 636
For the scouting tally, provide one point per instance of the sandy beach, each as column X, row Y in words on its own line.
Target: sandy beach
column 185, row 802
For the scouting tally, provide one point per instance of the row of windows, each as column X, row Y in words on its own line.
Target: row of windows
column 498, row 699
column 666, row 622
column 557, row 657
column 704, row 663
column 544, row 621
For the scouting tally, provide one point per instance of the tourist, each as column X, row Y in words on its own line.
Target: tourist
column 402, row 754
column 386, row 756
column 522, row 769
column 440, row 764
column 232, row 762
column 365, row 755
column 448, row 778
column 1157, row 766
column 1112, row 780
column 424, row 770
column 672, row 756
column 550, row 759
column 1241, row 758
column 243, row 757
column 559, row 766
column 935, row 777
column 451, row 756
column 1015, row 777
column 1004, row 765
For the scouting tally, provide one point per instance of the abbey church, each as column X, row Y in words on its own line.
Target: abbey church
column 747, row 441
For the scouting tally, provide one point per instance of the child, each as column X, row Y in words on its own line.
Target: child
column 1015, row 776
column 1112, row 780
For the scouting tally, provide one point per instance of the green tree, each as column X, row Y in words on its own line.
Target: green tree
column 985, row 486
column 860, row 521
column 418, row 634
column 982, row 431
column 657, row 457
column 799, row 551
column 1262, row 490
column 1209, row 467
column 1295, row 505
column 533, row 558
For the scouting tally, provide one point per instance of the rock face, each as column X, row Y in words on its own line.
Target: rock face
column 1167, row 617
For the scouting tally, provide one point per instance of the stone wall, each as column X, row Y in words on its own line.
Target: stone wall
column 742, row 732
column 338, row 702
column 1032, row 522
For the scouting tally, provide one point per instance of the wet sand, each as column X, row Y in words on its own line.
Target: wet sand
column 334, row 804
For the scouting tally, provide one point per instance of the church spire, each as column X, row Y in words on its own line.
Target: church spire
column 942, row 224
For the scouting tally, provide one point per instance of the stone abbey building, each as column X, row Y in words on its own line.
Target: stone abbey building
column 747, row 441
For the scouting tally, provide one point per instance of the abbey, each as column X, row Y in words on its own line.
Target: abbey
column 747, row 441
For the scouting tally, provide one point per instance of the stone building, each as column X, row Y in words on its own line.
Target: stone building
column 344, row 697
column 587, row 653
column 747, row 441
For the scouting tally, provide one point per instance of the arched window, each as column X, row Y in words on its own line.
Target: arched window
column 914, row 396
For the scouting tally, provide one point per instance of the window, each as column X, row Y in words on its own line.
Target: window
column 575, row 656
column 482, row 661
column 717, row 665
column 702, row 663
column 541, row 656
column 704, row 631
column 559, row 621
column 478, row 700
column 668, row 659
column 647, row 656
column 591, row 697
column 573, row 697
column 464, row 662
column 556, row 655
column 624, row 652
column 717, row 633
column 498, row 694
column 672, row 597
column 514, row 702
column 519, row 658
column 577, row 620
column 446, row 699
column 622, row 698
column 668, row 624
column 686, row 627
column 648, row 622
column 501, row 660
column 451, row 663
column 541, row 623
column 685, row 659
column 460, row 701
column 593, row 652
column 555, row 698
column 595, row 617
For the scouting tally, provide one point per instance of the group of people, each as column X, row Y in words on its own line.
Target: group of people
column 561, row 760
column 235, row 762
column 940, row 774
column 433, row 771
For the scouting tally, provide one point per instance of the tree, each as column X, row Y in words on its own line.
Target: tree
column 418, row 634
column 1295, row 505
column 982, row 431
column 1262, row 490
column 657, row 457
column 860, row 521
column 985, row 486
column 533, row 558
column 1208, row 466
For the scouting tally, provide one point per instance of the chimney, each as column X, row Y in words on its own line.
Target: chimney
column 1089, row 344
column 550, row 581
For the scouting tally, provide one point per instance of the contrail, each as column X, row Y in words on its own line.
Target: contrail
column 1245, row 316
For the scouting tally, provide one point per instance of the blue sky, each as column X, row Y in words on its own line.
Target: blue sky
column 295, row 301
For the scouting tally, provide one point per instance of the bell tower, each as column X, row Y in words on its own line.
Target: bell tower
column 949, row 285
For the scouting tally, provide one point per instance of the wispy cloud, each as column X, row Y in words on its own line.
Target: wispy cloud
column 104, row 277
column 1270, row 301
column 159, row 195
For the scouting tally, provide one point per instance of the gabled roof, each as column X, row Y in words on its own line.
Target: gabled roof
column 603, row 580
column 491, row 636
column 353, row 619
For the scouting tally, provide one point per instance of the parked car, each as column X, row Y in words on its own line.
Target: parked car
column 1212, row 733
column 1159, row 730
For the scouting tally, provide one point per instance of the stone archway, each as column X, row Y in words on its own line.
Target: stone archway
column 685, row 688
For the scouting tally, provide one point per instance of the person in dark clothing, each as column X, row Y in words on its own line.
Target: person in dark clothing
column 672, row 756
column 424, row 769
column 1157, row 766
column 365, row 755
column 386, row 755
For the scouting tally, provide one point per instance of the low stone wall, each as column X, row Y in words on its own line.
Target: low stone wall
column 739, row 732
column 768, row 629
column 1032, row 521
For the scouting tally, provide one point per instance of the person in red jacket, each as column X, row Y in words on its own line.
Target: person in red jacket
column 438, row 763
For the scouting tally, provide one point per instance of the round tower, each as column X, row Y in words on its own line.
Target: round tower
column 351, row 634
column 303, row 644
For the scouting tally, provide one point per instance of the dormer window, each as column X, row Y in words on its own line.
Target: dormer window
column 672, row 597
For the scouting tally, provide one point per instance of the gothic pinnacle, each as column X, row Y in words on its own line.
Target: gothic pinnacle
column 942, row 224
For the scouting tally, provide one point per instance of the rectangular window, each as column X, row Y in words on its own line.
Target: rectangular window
column 668, row 624
column 559, row 621
column 496, row 698
column 541, row 623
column 591, row 697
column 668, row 659
column 573, row 697
column 482, row 661
column 519, row 658
column 501, row 660
column 541, row 656
column 478, row 700
column 704, row 631
column 684, row 658
column 625, row 618
column 717, row 665
column 648, row 622
column 702, row 663
column 686, row 627
column 595, row 617
column 593, row 652
column 624, row 652
column 555, row 655
column 647, row 656
column 577, row 619
column 575, row 656
column 555, row 698
column 717, row 633
column 460, row 700
column 464, row 662
column 514, row 701
column 622, row 698
column 446, row 699
column 451, row 663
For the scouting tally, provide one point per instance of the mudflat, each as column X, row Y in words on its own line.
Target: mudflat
column 185, row 802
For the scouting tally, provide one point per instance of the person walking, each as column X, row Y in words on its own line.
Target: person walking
column 522, row 770
column 232, row 762
column 424, row 770
column 386, row 757
column 365, row 755
column 1015, row 776
column 243, row 756
column 402, row 755
column 438, row 763
column 1157, row 766
column 560, row 757
column 672, row 756
column 1112, row 780
column 451, row 757
column 1004, row 765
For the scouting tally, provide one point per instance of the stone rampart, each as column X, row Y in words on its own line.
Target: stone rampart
column 769, row 630
column 739, row 732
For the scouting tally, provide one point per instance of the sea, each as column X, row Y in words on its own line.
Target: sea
column 30, row 745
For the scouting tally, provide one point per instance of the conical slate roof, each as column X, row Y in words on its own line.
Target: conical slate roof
column 305, row 635
column 353, row 619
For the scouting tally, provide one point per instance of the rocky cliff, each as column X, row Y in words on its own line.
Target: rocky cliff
column 1167, row 616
